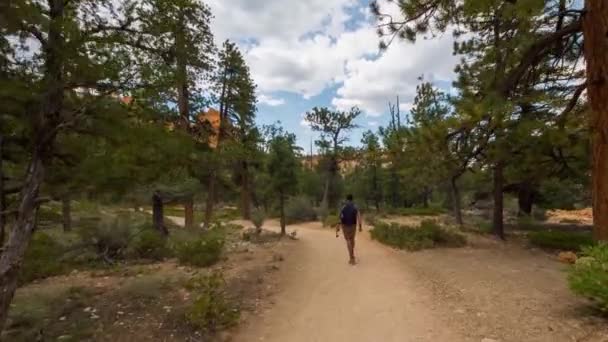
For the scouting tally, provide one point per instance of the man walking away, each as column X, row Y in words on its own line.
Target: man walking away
column 349, row 217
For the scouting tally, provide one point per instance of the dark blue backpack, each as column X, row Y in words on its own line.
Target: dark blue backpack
column 348, row 215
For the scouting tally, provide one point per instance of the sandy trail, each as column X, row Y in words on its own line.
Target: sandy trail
column 325, row 299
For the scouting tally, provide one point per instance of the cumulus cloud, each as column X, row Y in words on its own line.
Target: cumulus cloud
column 306, row 47
column 372, row 83
column 270, row 101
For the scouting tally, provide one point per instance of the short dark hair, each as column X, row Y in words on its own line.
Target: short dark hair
column 349, row 197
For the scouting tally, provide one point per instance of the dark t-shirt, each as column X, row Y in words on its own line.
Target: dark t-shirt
column 348, row 214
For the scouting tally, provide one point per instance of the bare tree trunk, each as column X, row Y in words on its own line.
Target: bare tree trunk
column 498, row 224
column 425, row 197
column 21, row 233
column 2, row 196
column 157, row 214
column 595, row 31
column 282, row 205
column 456, row 207
column 66, row 211
column 245, row 192
column 209, row 202
column 189, row 213
column 182, row 78
column 325, row 200
column 525, row 199
column 44, row 125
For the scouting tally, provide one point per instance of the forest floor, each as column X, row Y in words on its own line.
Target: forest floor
column 141, row 302
column 487, row 291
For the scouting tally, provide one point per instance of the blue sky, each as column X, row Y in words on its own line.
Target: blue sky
column 311, row 53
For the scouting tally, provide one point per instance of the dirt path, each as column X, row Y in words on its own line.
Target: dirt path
column 325, row 299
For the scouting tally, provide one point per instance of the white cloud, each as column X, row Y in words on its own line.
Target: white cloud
column 373, row 123
column 372, row 83
column 305, row 47
column 270, row 101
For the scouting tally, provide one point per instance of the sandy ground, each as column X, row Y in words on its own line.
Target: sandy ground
column 486, row 292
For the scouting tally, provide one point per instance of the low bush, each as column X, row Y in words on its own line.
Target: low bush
column 428, row 235
column 109, row 237
column 420, row 211
column 589, row 276
column 331, row 221
column 150, row 244
column 299, row 209
column 35, row 315
column 258, row 216
column 42, row 259
column 558, row 240
column 211, row 311
column 203, row 251
column 528, row 223
column 539, row 214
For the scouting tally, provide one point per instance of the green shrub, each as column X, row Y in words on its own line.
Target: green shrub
column 150, row 244
column 428, row 235
column 589, row 276
column 203, row 251
column 299, row 209
column 416, row 211
column 331, row 221
column 257, row 218
column 211, row 311
column 528, row 223
column 42, row 259
column 539, row 214
column 559, row 240
column 109, row 237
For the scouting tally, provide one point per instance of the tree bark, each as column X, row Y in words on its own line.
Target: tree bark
column 182, row 77
column 245, row 192
column 209, row 202
column 282, row 205
column 325, row 200
column 498, row 222
column 44, row 123
column 157, row 214
column 525, row 199
column 456, row 206
column 21, row 233
column 66, row 211
column 189, row 213
column 2, row 196
column 425, row 197
column 595, row 33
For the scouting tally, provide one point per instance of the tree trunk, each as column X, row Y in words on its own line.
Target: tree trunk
column 44, row 125
column 189, row 213
column 376, row 189
column 595, row 33
column 157, row 214
column 209, row 202
column 498, row 224
column 282, row 205
column 66, row 211
column 525, row 199
column 425, row 197
column 456, row 207
column 182, row 77
column 245, row 192
column 2, row 196
column 21, row 233
column 325, row 200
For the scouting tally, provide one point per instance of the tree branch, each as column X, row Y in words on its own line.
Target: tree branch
column 533, row 52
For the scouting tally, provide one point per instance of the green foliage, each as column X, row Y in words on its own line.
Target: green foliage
column 203, row 251
column 417, row 211
column 257, row 217
column 40, row 310
column 211, row 311
column 331, row 221
column 428, row 235
column 150, row 244
column 299, row 209
column 110, row 237
column 42, row 259
column 589, row 276
column 558, row 240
